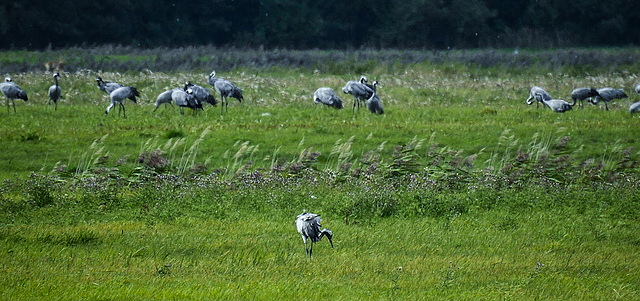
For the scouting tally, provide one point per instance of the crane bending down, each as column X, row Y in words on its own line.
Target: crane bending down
column 607, row 95
column 537, row 90
column 580, row 94
column 12, row 91
column 164, row 98
column 557, row 105
column 326, row 96
column 186, row 99
column 308, row 225
column 201, row 93
column 226, row 89
column 119, row 96
column 55, row 91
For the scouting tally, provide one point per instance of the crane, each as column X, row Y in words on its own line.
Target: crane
column 165, row 98
column 308, row 225
column 557, row 105
column 201, row 93
column 119, row 95
column 580, row 94
column 607, row 95
column 185, row 99
column 226, row 89
column 107, row 87
column 359, row 91
column 373, row 103
column 634, row 108
column 326, row 96
column 537, row 90
column 55, row 91
column 12, row 91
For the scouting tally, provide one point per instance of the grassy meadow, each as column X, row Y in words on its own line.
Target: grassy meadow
column 459, row 191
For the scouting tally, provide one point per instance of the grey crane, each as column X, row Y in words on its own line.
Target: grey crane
column 364, row 80
column 373, row 103
column 308, row 225
column 55, row 91
column 12, row 91
column 186, row 99
column 537, row 90
column 557, row 105
column 634, row 108
column 326, row 96
column 226, row 89
column 165, row 98
column 107, row 87
column 359, row 91
column 580, row 94
column 607, row 95
column 201, row 93
column 119, row 96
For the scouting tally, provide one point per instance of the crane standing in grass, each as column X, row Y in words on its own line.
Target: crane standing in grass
column 55, row 91
column 580, row 94
column 308, row 225
column 12, row 91
column 557, row 105
column 326, row 96
column 118, row 96
column 201, row 93
column 359, row 91
column 537, row 90
column 165, row 98
column 373, row 103
column 607, row 95
column 186, row 99
column 226, row 89
column 107, row 87
column 634, row 108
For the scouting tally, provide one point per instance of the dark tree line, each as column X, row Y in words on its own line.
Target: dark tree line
column 302, row 24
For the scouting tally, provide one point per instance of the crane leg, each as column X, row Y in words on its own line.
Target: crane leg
column 606, row 106
column 306, row 250
column 14, row 106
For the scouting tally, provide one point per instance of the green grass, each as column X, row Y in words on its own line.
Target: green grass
column 503, row 246
column 459, row 191
column 453, row 109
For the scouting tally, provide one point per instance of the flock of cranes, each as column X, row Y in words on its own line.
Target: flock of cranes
column 361, row 91
column 593, row 96
column 193, row 96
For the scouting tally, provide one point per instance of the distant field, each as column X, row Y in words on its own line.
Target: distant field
column 459, row 191
column 476, row 112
